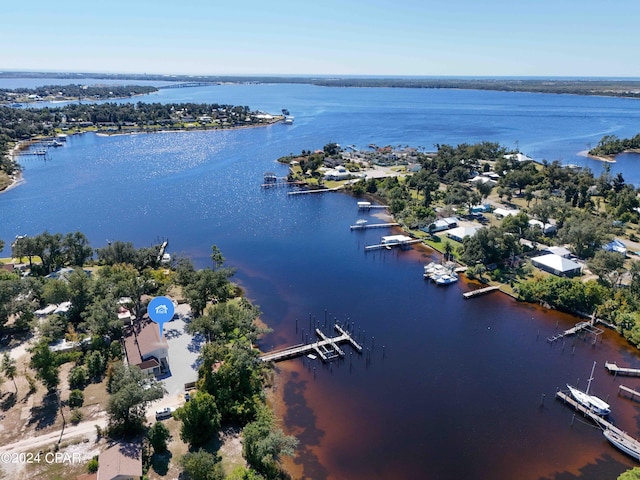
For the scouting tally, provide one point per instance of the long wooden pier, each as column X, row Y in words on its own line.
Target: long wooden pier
column 616, row 370
column 588, row 326
column 365, row 226
column 480, row 291
column 326, row 348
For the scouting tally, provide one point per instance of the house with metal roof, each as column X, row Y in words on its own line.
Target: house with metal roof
column 557, row 265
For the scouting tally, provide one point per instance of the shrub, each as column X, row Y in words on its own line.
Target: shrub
column 92, row 466
column 76, row 416
column 76, row 398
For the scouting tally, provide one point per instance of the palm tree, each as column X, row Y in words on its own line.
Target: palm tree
column 448, row 250
column 9, row 369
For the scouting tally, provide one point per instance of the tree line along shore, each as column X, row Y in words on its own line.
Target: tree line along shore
column 557, row 85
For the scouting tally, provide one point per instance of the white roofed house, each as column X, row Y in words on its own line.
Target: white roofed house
column 557, row 265
column 458, row 234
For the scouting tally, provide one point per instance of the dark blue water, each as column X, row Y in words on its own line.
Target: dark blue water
column 453, row 388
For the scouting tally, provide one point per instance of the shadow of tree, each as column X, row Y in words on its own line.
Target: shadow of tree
column 605, row 467
column 160, row 462
column 8, row 402
column 44, row 415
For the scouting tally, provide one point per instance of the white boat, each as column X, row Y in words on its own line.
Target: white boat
column 593, row 403
column 624, row 442
column 445, row 279
column 288, row 120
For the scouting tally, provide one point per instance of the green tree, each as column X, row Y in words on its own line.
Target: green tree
column 131, row 393
column 56, row 291
column 202, row 465
column 200, row 419
column 43, row 361
column 9, row 368
column 585, row 232
column 76, row 398
column 206, row 286
column 76, row 249
column 216, row 257
column 633, row 474
column 78, row 377
column 264, row 444
column 609, row 266
column 158, row 436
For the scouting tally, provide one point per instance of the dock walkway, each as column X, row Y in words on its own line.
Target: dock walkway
column 315, row 190
column 616, row 370
column 480, row 291
column 580, row 326
column 365, row 226
column 389, row 246
column 327, row 348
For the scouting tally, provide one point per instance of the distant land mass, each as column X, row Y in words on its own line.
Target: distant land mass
column 612, row 87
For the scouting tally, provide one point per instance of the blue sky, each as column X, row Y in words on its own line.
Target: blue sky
column 341, row 37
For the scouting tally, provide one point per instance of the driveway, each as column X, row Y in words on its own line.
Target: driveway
column 183, row 357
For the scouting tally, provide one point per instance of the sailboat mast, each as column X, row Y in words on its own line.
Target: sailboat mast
column 590, row 378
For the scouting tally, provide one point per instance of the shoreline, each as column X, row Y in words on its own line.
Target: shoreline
column 18, row 178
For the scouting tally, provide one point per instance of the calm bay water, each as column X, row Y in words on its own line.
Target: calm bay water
column 454, row 388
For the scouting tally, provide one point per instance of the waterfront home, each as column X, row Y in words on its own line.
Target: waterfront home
column 146, row 349
column 557, row 265
column 442, row 224
column 458, row 234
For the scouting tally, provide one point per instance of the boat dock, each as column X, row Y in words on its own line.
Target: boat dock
column 364, row 226
column 315, row 190
column 480, row 291
column 617, row 437
column 586, row 326
column 567, row 398
column 326, row 348
column 616, row 370
column 369, row 206
column 389, row 246
column 628, row 390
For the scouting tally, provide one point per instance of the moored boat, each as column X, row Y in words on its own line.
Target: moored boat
column 624, row 442
column 592, row 402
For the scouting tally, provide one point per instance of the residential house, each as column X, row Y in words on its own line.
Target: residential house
column 121, row 461
column 458, row 234
column 146, row 349
column 616, row 246
column 442, row 224
column 557, row 265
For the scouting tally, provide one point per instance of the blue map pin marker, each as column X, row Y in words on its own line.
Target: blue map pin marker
column 161, row 310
